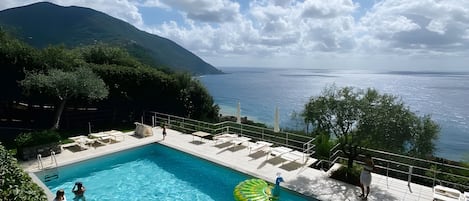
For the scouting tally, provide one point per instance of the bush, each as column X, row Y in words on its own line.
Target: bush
column 351, row 176
column 29, row 145
column 15, row 184
column 37, row 138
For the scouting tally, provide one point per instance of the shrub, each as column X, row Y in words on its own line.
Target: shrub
column 351, row 176
column 15, row 184
column 37, row 138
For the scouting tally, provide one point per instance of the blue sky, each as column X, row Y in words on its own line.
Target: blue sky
column 354, row 34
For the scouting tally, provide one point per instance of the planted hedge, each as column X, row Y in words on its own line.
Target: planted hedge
column 29, row 145
column 15, row 184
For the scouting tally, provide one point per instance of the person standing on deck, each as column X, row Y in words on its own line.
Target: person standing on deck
column 365, row 177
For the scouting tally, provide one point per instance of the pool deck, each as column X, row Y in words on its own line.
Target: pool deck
column 298, row 176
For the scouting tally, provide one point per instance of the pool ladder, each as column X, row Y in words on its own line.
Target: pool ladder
column 50, row 173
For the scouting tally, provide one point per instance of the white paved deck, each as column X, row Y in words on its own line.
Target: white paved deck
column 300, row 178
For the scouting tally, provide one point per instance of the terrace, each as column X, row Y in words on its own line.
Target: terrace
column 299, row 174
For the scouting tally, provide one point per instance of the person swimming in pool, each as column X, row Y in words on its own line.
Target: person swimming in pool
column 60, row 195
column 79, row 191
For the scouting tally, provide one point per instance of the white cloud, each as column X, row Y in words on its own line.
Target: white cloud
column 216, row 11
column 419, row 26
column 123, row 9
column 327, row 8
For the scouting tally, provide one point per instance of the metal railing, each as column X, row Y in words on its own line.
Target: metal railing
column 39, row 162
column 53, row 159
column 403, row 167
column 188, row 126
column 414, row 170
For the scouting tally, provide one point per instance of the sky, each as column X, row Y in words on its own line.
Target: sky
column 347, row 34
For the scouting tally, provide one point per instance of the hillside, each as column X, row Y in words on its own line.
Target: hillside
column 43, row 24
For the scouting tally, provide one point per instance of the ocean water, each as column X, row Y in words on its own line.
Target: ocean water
column 443, row 95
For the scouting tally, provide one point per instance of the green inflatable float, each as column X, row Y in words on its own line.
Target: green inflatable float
column 253, row 190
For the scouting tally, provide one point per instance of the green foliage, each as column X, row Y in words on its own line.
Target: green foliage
column 31, row 139
column 323, row 146
column 15, row 184
column 105, row 54
column 58, row 57
column 65, row 85
column 56, row 75
column 348, row 175
column 366, row 118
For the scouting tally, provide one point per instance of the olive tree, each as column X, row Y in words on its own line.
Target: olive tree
column 65, row 85
column 365, row 118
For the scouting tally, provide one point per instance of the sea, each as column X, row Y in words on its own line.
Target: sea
column 443, row 95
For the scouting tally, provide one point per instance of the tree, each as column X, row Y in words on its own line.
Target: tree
column 65, row 85
column 359, row 118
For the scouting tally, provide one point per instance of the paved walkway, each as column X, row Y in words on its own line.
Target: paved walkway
column 298, row 177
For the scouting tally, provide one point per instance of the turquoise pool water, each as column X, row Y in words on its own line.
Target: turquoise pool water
column 153, row 172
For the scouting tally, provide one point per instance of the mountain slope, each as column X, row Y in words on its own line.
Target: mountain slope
column 43, row 24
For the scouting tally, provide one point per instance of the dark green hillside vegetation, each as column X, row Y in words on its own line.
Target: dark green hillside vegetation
column 133, row 87
column 43, row 24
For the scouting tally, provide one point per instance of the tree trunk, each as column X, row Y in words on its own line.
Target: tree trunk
column 58, row 114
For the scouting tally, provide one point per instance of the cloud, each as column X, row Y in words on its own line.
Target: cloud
column 123, row 9
column 419, row 27
column 306, row 31
column 215, row 11
column 327, row 9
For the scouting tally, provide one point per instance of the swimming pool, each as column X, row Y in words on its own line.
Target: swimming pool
column 153, row 172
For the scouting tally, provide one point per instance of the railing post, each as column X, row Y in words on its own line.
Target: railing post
column 153, row 121
column 39, row 162
column 89, row 127
column 410, row 175
column 262, row 134
column 286, row 138
column 387, row 173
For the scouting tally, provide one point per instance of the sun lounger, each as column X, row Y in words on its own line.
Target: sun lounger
column 224, row 138
column 102, row 137
column 108, row 136
column 293, row 156
column 200, row 134
column 441, row 193
column 258, row 146
column 240, row 140
column 466, row 196
column 82, row 141
column 278, row 151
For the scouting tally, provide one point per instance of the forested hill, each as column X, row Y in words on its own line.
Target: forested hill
column 43, row 24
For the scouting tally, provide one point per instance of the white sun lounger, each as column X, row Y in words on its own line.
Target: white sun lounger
column 82, row 141
column 466, row 196
column 442, row 193
column 258, row 146
column 240, row 140
column 200, row 134
column 107, row 136
column 224, row 138
column 293, row 156
column 278, row 151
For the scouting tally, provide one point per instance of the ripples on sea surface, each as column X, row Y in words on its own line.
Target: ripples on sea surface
column 443, row 95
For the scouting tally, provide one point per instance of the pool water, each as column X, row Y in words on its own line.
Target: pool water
column 153, row 172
